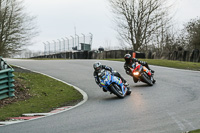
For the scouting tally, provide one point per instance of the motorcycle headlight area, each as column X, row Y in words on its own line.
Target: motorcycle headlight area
column 102, row 74
column 136, row 73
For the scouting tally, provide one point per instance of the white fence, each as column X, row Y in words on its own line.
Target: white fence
column 66, row 44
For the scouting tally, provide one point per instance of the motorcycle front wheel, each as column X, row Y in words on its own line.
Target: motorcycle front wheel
column 135, row 79
column 145, row 78
column 117, row 90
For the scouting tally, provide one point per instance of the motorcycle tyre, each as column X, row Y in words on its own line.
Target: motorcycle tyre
column 117, row 93
column 146, row 80
column 135, row 79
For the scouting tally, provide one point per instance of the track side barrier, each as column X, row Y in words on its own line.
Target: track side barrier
column 6, row 80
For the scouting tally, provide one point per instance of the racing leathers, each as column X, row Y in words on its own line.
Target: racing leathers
column 127, row 65
column 115, row 73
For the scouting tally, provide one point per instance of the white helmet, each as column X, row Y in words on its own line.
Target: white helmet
column 97, row 66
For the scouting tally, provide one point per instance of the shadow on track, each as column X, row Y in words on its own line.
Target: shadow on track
column 140, row 86
column 112, row 98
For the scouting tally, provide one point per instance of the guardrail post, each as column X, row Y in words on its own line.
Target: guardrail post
column 10, row 83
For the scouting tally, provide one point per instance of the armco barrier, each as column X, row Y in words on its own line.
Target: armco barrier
column 6, row 80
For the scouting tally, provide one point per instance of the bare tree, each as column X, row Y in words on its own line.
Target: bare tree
column 192, row 36
column 16, row 27
column 139, row 20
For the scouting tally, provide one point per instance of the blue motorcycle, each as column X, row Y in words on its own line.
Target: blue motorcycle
column 113, row 84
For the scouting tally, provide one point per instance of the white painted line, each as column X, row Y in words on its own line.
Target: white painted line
column 180, row 125
column 189, row 123
column 10, row 122
column 38, row 114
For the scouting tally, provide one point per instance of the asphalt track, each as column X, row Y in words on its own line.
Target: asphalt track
column 172, row 105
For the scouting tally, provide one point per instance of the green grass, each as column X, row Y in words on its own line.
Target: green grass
column 170, row 63
column 47, row 93
column 195, row 131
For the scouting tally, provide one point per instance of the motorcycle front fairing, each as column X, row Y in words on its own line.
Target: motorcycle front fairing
column 109, row 79
column 119, row 82
column 137, row 69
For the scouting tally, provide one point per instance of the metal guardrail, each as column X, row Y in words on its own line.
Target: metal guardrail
column 6, row 80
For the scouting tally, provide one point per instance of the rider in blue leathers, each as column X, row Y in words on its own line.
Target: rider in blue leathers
column 98, row 67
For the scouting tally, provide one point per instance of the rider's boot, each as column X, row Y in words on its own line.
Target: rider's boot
column 152, row 71
column 128, row 91
column 154, row 81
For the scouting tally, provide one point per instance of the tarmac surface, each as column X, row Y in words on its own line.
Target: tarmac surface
column 171, row 105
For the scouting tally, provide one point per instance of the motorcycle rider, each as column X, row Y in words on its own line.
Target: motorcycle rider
column 98, row 67
column 129, row 62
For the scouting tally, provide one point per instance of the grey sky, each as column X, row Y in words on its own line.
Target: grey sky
column 57, row 19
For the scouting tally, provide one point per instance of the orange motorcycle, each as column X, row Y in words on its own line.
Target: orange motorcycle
column 141, row 73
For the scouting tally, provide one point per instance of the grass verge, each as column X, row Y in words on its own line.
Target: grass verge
column 195, row 131
column 45, row 94
column 169, row 63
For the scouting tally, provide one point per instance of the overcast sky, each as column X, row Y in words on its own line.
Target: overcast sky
column 58, row 18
